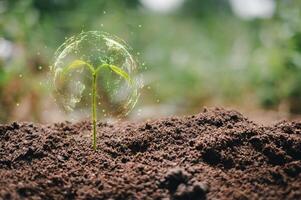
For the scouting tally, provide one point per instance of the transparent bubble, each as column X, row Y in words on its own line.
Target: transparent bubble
column 95, row 59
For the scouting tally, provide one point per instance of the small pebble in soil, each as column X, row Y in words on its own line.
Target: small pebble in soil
column 148, row 126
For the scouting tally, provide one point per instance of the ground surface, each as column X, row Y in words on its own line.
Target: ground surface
column 216, row 154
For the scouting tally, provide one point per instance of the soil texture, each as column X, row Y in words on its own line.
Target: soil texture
column 216, row 154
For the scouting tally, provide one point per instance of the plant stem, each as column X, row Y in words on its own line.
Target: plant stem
column 94, row 117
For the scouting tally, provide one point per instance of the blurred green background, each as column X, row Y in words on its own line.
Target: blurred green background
column 244, row 54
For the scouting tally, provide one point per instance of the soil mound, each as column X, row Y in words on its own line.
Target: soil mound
column 217, row 154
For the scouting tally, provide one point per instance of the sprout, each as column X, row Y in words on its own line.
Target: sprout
column 94, row 71
column 98, row 68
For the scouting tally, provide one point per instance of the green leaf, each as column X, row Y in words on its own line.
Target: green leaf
column 120, row 72
column 77, row 64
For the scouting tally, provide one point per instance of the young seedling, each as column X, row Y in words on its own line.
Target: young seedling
column 94, row 71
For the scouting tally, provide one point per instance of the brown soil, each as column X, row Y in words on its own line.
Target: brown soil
column 217, row 154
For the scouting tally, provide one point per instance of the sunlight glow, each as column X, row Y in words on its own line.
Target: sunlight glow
column 249, row 9
column 163, row 6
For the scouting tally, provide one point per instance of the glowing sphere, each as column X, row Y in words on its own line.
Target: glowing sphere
column 115, row 69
